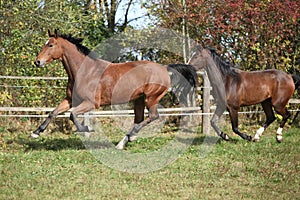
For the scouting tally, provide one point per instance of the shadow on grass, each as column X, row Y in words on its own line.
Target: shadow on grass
column 58, row 144
column 206, row 139
column 53, row 144
column 77, row 143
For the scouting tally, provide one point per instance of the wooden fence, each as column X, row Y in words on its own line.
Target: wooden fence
column 205, row 110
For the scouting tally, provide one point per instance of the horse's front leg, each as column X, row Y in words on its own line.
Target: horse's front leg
column 62, row 107
column 217, row 114
column 84, row 107
column 233, row 113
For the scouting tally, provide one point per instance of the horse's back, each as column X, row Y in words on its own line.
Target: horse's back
column 122, row 82
column 270, row 76
column 271, row 83
column 141, row 71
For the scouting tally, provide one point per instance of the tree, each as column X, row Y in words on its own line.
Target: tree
column 23, row 32
column 255, row 34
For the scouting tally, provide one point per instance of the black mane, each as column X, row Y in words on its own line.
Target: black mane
column 226, row 68
column 77, row 42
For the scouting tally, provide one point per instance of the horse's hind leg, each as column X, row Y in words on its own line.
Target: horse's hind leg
column 139, row 108
column 267, row 106
column 152, row 104
column 131, row 135
column 285, row 116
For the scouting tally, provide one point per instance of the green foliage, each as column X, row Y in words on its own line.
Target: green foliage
column 23, row 30
column 252, row 34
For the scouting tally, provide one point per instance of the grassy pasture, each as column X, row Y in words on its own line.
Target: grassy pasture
column 58, row 166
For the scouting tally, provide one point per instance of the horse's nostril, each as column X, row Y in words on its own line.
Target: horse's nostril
column 37, row 63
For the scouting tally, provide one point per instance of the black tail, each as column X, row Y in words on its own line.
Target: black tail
column 184, row 81
column 296, row 80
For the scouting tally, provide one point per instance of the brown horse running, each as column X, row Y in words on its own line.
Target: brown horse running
column 93, row 82
column 233, row 88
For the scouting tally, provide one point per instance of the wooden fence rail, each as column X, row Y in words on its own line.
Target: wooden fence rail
column 204, row 111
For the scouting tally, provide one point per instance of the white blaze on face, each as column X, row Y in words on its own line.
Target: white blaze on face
column 47, row 42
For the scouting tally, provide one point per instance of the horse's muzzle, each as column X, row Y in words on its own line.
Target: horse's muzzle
column 38, row 63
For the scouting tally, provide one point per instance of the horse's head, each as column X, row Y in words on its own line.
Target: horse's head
column 51, row 51
column 199, row 58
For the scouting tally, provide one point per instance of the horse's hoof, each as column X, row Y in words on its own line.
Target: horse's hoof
column 132, row 138
column 91, row 130
column 249, row 138
column 120, row 146
column 224, row 136
column 255, row 139
column 279, row 138
column 34, row 135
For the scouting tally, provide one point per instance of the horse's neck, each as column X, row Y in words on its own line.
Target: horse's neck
column 71, row 66
column 214, row 72
column 76, row 62
column 217, row 81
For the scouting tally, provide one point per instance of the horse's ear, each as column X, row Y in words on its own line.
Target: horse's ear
column 49, row 33
column 55, row 33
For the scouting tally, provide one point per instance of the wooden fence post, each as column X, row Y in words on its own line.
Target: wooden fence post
column 206, row 105
column 86, row 119
column 86, row 122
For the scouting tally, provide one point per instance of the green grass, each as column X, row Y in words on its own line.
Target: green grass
column 57, row 166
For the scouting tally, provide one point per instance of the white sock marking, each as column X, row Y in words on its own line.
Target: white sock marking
column 34, row 135
column 279, row 134
column 259, row 132
column 279, row 131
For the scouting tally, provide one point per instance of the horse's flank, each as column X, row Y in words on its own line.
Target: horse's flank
column 122, row 83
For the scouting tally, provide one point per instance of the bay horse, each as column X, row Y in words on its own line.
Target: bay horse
column 93, row 82
column 234, row 88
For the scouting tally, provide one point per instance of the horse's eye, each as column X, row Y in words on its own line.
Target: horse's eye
column 50, row 45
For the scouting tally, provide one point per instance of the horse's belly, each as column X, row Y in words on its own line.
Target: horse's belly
column 256, row 96
column 120, row 93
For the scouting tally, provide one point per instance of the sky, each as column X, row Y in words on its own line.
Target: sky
column 136, row 10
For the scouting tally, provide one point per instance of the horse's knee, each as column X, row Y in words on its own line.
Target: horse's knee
column 154, row 117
